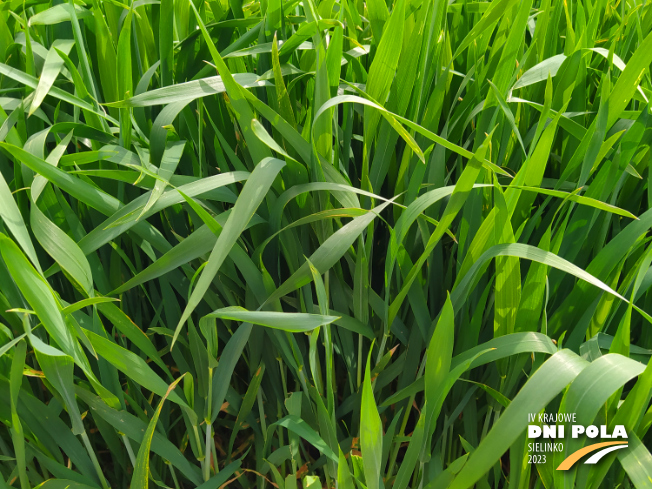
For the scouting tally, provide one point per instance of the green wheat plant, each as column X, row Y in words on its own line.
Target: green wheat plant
column 309, row 244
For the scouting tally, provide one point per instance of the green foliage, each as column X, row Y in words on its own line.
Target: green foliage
column 366, row 239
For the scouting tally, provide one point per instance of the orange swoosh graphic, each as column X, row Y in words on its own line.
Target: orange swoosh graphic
column 575, row 456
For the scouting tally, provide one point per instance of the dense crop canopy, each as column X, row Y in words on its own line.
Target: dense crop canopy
column 323, row 243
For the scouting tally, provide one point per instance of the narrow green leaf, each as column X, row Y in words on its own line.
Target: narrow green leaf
column 371, row 432
column 141, row 471
column 250, row 198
